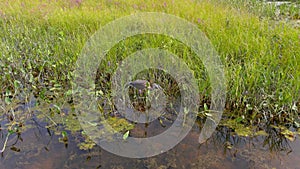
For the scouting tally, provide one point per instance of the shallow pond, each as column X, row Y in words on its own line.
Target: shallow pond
column 48, row 135
column 39, row 147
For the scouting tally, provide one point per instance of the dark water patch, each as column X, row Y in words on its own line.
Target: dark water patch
column 40, row 148
column 53, row 139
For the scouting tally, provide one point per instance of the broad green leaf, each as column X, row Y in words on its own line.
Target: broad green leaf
column 125, row 136
column 64, row 134
column 205, row 107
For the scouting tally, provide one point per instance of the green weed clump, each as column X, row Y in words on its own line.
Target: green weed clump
column 41, row 40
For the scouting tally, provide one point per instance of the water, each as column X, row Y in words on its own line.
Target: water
column 40, row 148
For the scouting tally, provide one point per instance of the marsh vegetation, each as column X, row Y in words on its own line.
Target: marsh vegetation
column 258, row 43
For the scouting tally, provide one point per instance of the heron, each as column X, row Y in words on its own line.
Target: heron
column 143, row 84
column 143, row 102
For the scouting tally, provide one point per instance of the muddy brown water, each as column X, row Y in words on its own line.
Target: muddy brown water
column 40, row 148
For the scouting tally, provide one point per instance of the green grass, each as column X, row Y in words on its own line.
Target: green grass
column 41, row 40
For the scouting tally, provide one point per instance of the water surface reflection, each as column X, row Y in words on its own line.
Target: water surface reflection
column 41, row 148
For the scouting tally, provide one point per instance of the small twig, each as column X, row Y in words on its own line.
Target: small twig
column 3, row 108
column 13, row 114
column 5, row 142
column 51, row 119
